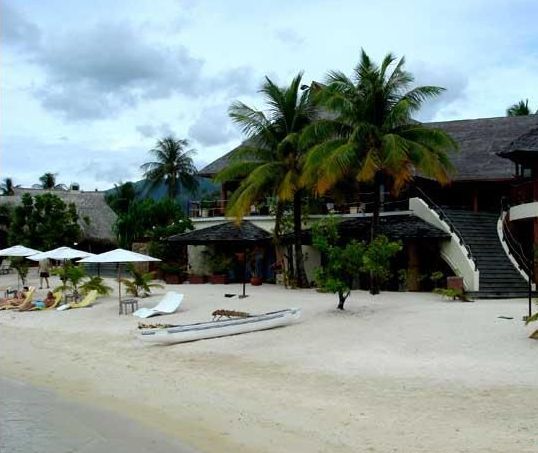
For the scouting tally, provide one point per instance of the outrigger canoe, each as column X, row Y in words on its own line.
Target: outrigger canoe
column 220, row 328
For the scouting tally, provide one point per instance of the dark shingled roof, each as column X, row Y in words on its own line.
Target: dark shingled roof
column 224, row 233
column 398, row 227
column 479, row 140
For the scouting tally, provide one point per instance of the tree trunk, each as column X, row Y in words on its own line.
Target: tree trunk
column 341, row 300
column 277, row 238
column 300, row 274
column 374, row 230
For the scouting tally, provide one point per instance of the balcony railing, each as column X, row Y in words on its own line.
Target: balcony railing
column 217, row 208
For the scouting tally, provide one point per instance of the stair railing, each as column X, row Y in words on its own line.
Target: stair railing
column 514, row 246
column 442, row 215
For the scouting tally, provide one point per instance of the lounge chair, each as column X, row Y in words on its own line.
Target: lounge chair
column 86, row 302
column 168, row 305
column 28, row 298
column 58, row 296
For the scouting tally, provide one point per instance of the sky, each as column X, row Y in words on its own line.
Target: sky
column 88, row 87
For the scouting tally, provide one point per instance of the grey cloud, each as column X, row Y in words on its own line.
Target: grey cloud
column 154, row 131
column 289, row 37
column 455, row 85
column 16, row 30
column 236, row 81
column 97, row 72
column 146, row 130
column 213, row 127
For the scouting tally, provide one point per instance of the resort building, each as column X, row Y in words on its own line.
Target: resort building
column 481, row 227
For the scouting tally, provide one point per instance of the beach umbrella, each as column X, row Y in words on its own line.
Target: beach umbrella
column 19, row 251
column 60, row 253
column 119, row 257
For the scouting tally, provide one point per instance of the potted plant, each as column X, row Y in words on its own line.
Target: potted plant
column 256, row 267
column 219, row 264
column 173, row 273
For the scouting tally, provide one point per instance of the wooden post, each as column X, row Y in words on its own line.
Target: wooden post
column 475, row 200
column 412, row 266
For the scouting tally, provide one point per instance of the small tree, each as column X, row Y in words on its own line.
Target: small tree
column 141, row 282
column 71, row 276
column 342, row 263
column 95, row 284
column 44, row 222
column 377, row 256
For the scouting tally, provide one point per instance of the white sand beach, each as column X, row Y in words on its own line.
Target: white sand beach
column 399, row 372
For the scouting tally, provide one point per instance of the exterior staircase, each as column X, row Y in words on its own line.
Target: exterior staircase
column 498, row 276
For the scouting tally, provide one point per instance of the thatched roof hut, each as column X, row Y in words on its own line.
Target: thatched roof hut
column 89, row 205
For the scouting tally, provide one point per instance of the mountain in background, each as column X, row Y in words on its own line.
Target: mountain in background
column 206, row 189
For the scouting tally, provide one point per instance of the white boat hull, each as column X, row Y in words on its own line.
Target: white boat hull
column 221, row 328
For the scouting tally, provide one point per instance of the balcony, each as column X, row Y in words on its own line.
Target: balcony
column 199, row 209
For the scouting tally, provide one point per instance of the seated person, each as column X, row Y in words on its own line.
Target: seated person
column 39, row 304
column 15, row 301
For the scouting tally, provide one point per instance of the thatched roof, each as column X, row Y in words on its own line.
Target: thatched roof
column 88, row 204
column 479, row 141
column 224, row 233
column 523, row 147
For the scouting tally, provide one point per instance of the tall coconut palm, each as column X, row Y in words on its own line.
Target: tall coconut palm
column 521, row 108
column 48, row 182
column 369, row 132
column 7, row 187
column 173, row 165
column 270, row 163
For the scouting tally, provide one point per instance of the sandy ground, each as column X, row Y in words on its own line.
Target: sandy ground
column 399, row 372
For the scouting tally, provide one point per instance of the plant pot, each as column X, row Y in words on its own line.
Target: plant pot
column 172, row 279
column 256, row 281
column 205, row 212
column 196, row 279
column 218, row 279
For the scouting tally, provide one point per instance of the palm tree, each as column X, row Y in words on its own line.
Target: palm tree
column 7, row 187
column 519, row 109
column 48, row 182
column 173, row 164
column 369, row 133
column 269, row 164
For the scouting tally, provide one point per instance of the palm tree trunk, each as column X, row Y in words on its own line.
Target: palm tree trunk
column 374, row 230
column 279, row 211
column 300, row 274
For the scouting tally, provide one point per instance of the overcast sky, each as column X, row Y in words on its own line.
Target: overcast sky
column 87, row 87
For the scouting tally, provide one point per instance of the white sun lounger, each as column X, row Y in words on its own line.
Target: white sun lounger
column 168, row 305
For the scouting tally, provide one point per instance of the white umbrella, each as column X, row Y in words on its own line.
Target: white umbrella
column 119, row 256
column 18, row 250
column 61, row 253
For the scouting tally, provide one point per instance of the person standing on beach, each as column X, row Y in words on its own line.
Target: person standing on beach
column 44, row 267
